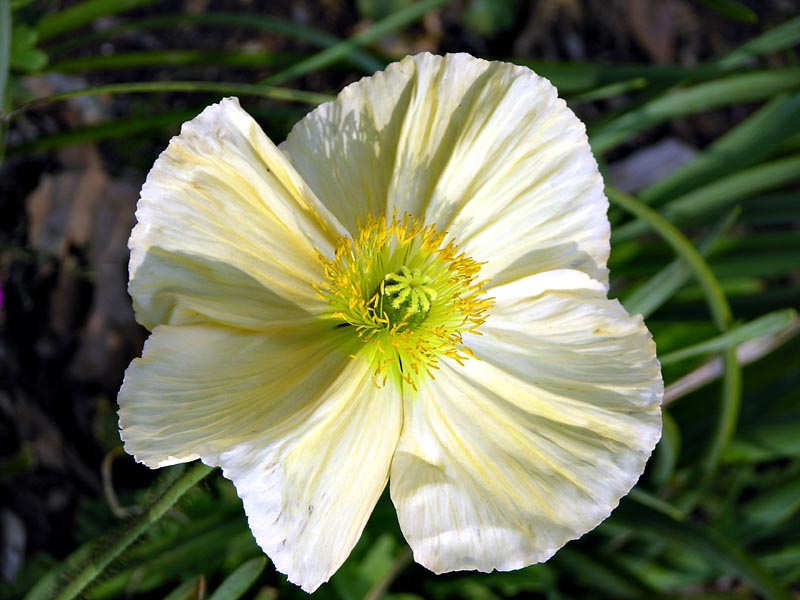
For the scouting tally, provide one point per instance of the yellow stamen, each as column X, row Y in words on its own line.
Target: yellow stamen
column 407, row 292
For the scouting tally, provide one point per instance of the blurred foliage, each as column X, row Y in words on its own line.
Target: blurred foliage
column 709, row 253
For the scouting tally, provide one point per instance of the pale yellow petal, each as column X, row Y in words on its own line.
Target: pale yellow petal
column 505, row 459
column 483, row 150
column 198, row 390
column 293, row 421
column 345, row 150
column 309, row 495
column 227, row 230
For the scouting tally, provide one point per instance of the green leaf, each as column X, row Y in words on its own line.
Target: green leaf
column 88, row 562
column 718, row 304
column 732, row 89
column 487, row 18
column 640, row 520
column 189, row 551
column 380, row 9
column 772, row 208
column 665, row 457
column 750, row 141
column 188, row 590
column 612, row 90
column 5, row 50
column 775, row 506
column 774, row 439
column 651, row 295
column 732, row 9
column 728, row 413
column 25, row 56
column 602, row 574
column 83, row 13
column 721, row 194
column 769, row 324
column 782, row 37
column 363, row 571
column 242, row 579
column 343, row 49
column 173, row 58
column 244, row 89
column 273, row 25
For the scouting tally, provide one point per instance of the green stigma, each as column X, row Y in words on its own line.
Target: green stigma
column 406, row 297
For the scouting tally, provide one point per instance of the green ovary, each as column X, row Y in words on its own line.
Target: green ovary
column 406, row 297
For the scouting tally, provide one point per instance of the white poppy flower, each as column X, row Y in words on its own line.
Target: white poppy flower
column 412, row 288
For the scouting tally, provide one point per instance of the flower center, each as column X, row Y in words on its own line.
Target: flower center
column 406, row 295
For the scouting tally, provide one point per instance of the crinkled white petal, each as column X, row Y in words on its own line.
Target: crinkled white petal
column 483, row 150
column 198, row 390
column 227, row 230
column 505, row 459
column 294, row 422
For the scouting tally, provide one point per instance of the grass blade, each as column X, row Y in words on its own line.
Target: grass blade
column 399, row 19
column 244, row 89
column 715, row 298
column 752, row 140
column 82, row 14
column 732, row 9
column 651, row 295
column 641, row 520
column 173, row 58
column 783, row 37
column 5, row 66
column 768, row 324
column 745, row 87
column 721, row 314
column 237, row 583
column 315, row 37
column 719, row 195
column 605, row 577
column 5, row 49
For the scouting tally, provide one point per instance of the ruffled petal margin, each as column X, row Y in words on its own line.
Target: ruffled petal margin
column 222, row 210
column 505, row 459
column 484, row 150
column 293, row 421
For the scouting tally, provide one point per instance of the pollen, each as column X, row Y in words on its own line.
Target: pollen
column 403, row 290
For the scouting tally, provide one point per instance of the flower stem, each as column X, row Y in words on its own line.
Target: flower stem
column 86, row 571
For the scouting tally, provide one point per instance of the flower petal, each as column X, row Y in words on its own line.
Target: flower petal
column 198, row 390
column 219, row 206
column 506, row 458
column 486, row 151
column 293, row 421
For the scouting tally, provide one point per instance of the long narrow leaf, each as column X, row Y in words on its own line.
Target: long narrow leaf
column 782, row 37
column 768, row 324
column 5, row 65
column 651, row 295
column 237, row 583
column 82, row 14
column 720, row 195
column 290, row 29
column 265, row 91
column 745, row 87
column 5, row 49
column 323, row 59
column 728, row 414
column 746, row 144
column 641, row 520
column 174, row 58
